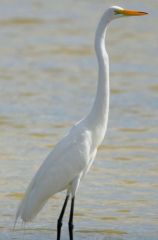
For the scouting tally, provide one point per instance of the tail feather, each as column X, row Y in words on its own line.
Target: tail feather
column 29, row 206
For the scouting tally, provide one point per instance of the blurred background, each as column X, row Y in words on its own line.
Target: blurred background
column 48, row 77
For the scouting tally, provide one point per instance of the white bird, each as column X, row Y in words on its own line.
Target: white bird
column 72, row 157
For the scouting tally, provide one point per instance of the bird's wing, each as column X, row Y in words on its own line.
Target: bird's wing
column 68, row 159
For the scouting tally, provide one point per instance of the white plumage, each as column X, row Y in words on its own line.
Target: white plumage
column 72, row 157
column 64, row 166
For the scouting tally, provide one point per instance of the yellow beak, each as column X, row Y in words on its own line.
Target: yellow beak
column 127, row 12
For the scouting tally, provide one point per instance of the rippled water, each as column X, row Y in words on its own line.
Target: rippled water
column 48, row 76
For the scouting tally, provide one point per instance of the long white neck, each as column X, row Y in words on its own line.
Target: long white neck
column 98, row 116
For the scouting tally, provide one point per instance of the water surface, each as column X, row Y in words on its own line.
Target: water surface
column 48, row 76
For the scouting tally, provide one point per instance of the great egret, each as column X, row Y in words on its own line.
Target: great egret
column 72, row 157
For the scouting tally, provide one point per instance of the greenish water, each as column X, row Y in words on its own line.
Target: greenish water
column 48, row 76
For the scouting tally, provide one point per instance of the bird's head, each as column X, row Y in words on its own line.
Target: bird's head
column 115, row 12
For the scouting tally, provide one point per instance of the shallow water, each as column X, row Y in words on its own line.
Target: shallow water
column 47, row 82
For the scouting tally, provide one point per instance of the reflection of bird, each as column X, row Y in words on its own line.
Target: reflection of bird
column 73, row 155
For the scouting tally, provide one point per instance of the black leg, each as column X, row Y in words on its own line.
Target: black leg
column 59, row 224
column 71, row 226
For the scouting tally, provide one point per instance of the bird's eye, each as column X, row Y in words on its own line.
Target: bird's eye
column 116, row 12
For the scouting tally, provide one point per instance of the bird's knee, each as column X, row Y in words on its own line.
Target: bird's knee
column 59, row 223
column 71, row 226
